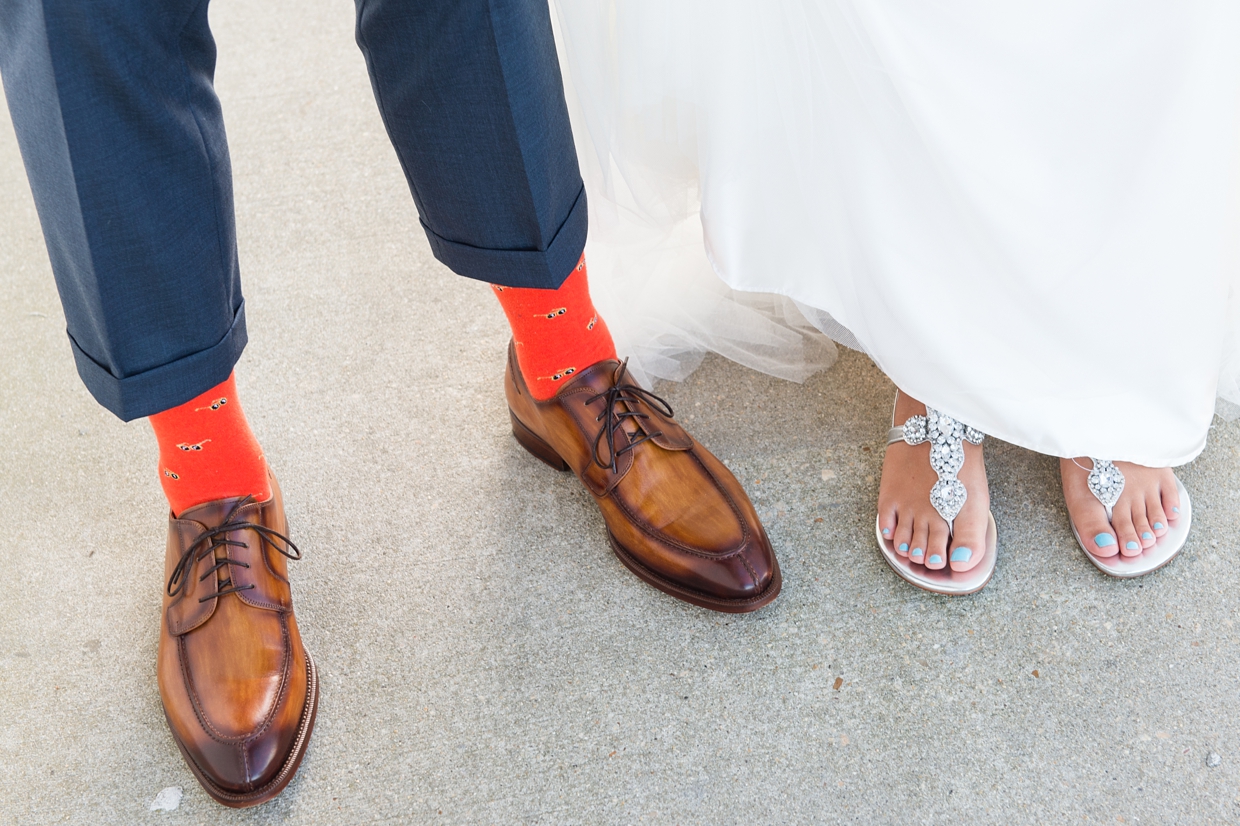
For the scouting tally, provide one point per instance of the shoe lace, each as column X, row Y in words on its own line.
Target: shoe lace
column 211, row 540
column 629, row 395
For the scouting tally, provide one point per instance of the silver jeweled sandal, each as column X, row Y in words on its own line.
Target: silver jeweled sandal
column 946, row 437
column 1106, row 482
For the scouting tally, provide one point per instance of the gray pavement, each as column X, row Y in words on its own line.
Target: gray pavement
column 484, row 657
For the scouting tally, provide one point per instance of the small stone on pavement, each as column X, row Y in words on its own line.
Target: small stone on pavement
column 167, row 800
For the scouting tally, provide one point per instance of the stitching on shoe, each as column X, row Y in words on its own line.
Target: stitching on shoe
column 284, row 680
column 667, row 540
column 192, row 690
column 302, row 722
column 264, row 552
column 748, row 567
column 641, row 524
column 206, row 724
column 245, row 766
column 512, row 372
column 676, row 586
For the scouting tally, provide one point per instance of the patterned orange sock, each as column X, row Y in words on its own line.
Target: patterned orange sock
column 557, row 332
column 207, row 451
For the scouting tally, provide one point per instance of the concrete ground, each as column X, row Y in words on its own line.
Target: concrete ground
column 484, row 657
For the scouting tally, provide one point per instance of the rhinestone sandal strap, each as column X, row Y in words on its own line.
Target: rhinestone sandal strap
column 1106, row 482
column 946, row 437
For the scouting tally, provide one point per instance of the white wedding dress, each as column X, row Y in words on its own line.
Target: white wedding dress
column 1027, row 214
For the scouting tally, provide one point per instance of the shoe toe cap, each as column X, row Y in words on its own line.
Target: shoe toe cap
column 738, row 578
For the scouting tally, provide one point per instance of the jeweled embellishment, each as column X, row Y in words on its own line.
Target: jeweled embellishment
column 948, row 497
column 915, row 430
column 946, row 437
column 1106, row 482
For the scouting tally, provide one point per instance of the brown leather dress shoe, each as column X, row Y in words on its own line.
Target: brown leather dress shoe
column 675, row 515
column 239, row 690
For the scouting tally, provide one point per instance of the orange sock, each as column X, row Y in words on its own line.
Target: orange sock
column 557, row 332
column 207, row 451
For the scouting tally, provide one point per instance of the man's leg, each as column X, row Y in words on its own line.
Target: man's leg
column 123, row 141
column 471, row 94
column 124, row 147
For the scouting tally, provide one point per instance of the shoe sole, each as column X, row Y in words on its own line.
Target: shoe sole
column 693, row 597
column 1146, row 562
column 276, row 785
column 546, row 453
column 944, row 581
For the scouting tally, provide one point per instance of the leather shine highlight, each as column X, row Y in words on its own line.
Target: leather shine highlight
column 676, row 516
column 238, row 688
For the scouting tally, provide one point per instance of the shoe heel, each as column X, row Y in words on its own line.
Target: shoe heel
column 535, row 445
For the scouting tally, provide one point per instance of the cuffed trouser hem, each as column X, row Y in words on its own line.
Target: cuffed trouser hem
column 545, row 270
column 164, row 387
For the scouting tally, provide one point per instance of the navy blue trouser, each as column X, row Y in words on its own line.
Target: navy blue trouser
column 123, row 141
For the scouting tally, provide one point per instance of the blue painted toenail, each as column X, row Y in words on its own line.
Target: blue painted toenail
column 1177, row 510
column 936, row 559
column 1158, row 526
column 886, row 531
column 1147, row 535
column 918, row 552
column 1132, row 546
column 904, row 546
column 1104, row 540
column 962, row 554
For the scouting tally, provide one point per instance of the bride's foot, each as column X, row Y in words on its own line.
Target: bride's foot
column 906, row 516
column 1147, row 508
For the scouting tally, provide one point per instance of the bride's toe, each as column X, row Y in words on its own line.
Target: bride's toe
column 969, row 540
column 903, row 535
column 921, row 538
column 1167, row 503
column 1126, row 536
column 1144, row 530
column 966, row 554
column 936, row 546
column 1097, row 534
column 887, row 519
column 1155, row 516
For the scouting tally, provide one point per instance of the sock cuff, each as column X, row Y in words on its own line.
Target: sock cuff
column 556, row 333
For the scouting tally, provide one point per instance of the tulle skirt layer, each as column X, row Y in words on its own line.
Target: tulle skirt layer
column 1026, row 213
